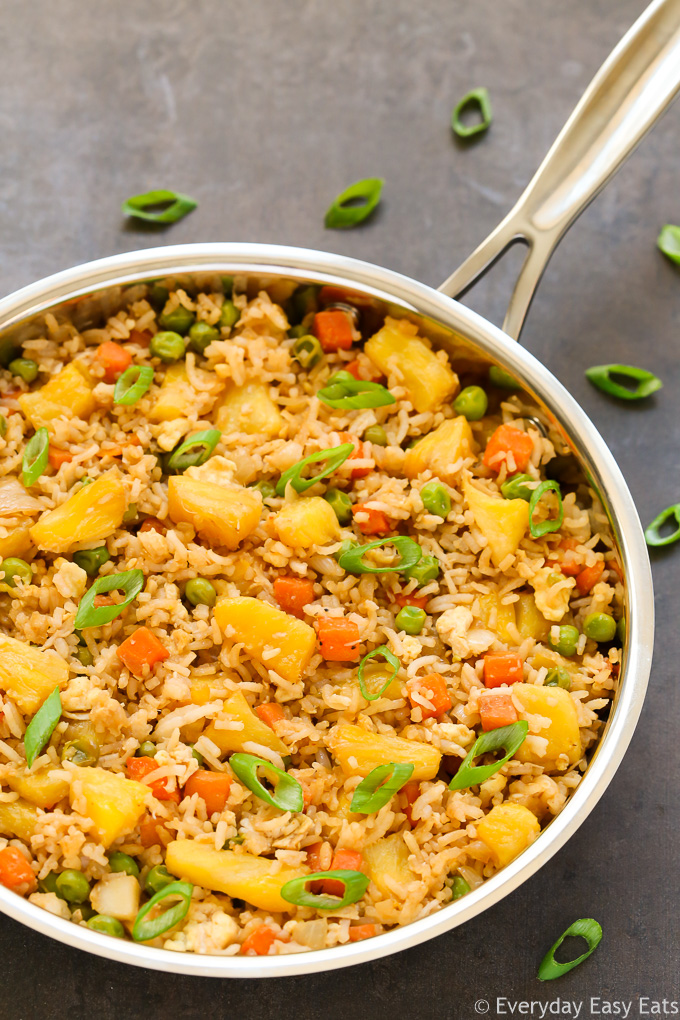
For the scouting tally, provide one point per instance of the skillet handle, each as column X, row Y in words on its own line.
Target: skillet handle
column 625, row 98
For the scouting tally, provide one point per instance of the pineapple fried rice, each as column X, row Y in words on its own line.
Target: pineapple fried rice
column 228, row 693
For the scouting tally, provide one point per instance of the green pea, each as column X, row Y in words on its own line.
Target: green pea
column 345, row 546
column 621, row 630
column 295, row 332
column 158, row 296
column 229, row 315
column 227, row 285
column 200, row 592
column 72, row 886
column 558, row 678
column 119, row 861
column 411, row 619
column 3, row 426
column 600, row 627
column 567, row 640
column 376, row 434
column 167, row 346
column 90, row 560
column 147, row 749
column 426, row 569
column 14, row 569
column 107, row 925
column 436, row 499
column 201, row 335
column 81, row 751
column 130, row 514
column 307, row 350
column 413, row 442
column 179, row 320
column 341, row 504
column 198, row 756
column 157, row 879
column 86, row 911
column 516, row 487
column 84, row 656
column 472, row 403
column 48, row 883
column 459, row 887
column 502, row 379
column 268, row 489
column 25, row 368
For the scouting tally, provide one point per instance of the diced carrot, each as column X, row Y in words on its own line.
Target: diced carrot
column 139, row 768
column 333, row 329
column 293, row 594
column 369, row 371
column 343, row 860
column 103, row 600
column 152, row 832
column 269, row 712
column 433, row 689
column 357, row 932
column 359, row 453
column 339, row 639
column 153, row 524
column 114, row 358
column 140, row 336
column 506, row 442
column 141, row 649
column 371, row 522
column 15, row 871
column 502, row 668
column 133, row 439
column 314, row 856
column 589, row 576
column 497, row 710
column 568, row 565
column 616, row 567
column 419, row 601
column 411, row 791
column 211, row 787
column 259, row 942
column 58, row 457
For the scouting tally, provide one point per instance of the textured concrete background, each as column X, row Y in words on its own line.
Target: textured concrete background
column 264, row 111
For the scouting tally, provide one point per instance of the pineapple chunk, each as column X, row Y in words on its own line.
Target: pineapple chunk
column 223, row 515
column 307, row 522
column 553, row 591
column 498, row 617
column 398, row 347
column 29, row 674
column 176, row 397
column 503, row 522
column 44, row 789
column 530, row 623
column 68, row 395
column 18, row 819
column 253, row 730
column 16, row 543
column 256, row 880
column 277, row 640
column 375, row 677
column 507, row 830
column 117, row 895
column 439, row 450
column 386, row 861
column 93, row 513
column 359, row 751
column 248, row 409
column 114, row 804
column 553, row 725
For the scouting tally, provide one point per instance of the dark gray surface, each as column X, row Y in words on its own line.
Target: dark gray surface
column 264, row 111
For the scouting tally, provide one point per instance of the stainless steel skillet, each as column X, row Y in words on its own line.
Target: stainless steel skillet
column 631, row 90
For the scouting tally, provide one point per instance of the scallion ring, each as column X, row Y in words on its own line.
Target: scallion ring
column 288, row 794
column 144, row 931
column 545, row 527
column 601, row 376
column 35, row 457
column 130, row 581
column 653, row 534
column 380, row 785
column 586, row 928
column 509, row 738
column 296, row 891
column 175, row 206
column 194, row 451
column 669, row 242
column 347, row 393
column 41, row 726
column 341, row 214
column 477, row 101
column 409, row 551
column 132, row 384
column 388, row 656
column 333, row 457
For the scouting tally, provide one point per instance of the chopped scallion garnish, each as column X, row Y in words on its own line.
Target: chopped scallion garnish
column 144, row 931
column 653, row 533
column 333, row 457
column 159, row 206
column 35, row 457
column 585, row 928
column 379, row 786
column 287, row 795
column 545, row 527
column 132, row 385
column 345, row 210
column 130, row 582
column 41, row 726
column 508, row 738
column 296, row 891
column 476, row 101
column 603, row 376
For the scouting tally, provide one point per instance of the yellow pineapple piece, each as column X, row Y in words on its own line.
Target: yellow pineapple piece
column 18, row 820
column 530, row 623
column 176, row 397
column 256, row 880
column 277, row 640
column 386, row 861
column 248, row 408
column 498, row 617
column 16, row 543
column 307, row 522
column 28, row 675
column 553, row 727
column 507, row 830
column 397, row 347
column 252, row 731
column 115, row 804
column 92, row 513
column 44, row 788
column 375, row 677
column 503, row 522
column 438, row 451
column 358, row 752
column 223, row 515
column 68, row 394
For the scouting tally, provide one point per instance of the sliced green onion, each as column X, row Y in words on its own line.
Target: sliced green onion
column 334, row 458
column 144, row 931
column 585, row 928
column 379, row 786
column 41, row 726
column 194, row 451
column 175, row 206
column 669, row 242
column 544, row 527
column 288, row 793
column 653, row 534
column 130, row 581
column 341, row 215
column 355, row 882
column 35, row 457
column 478, row 101
column 388, row 656
column 347, row 393
column 509, row 738
column 601, row 376
column 409, row 551
column 307, row 350
column 132, row 384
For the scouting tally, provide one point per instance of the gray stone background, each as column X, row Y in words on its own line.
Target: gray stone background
column 263, row 111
